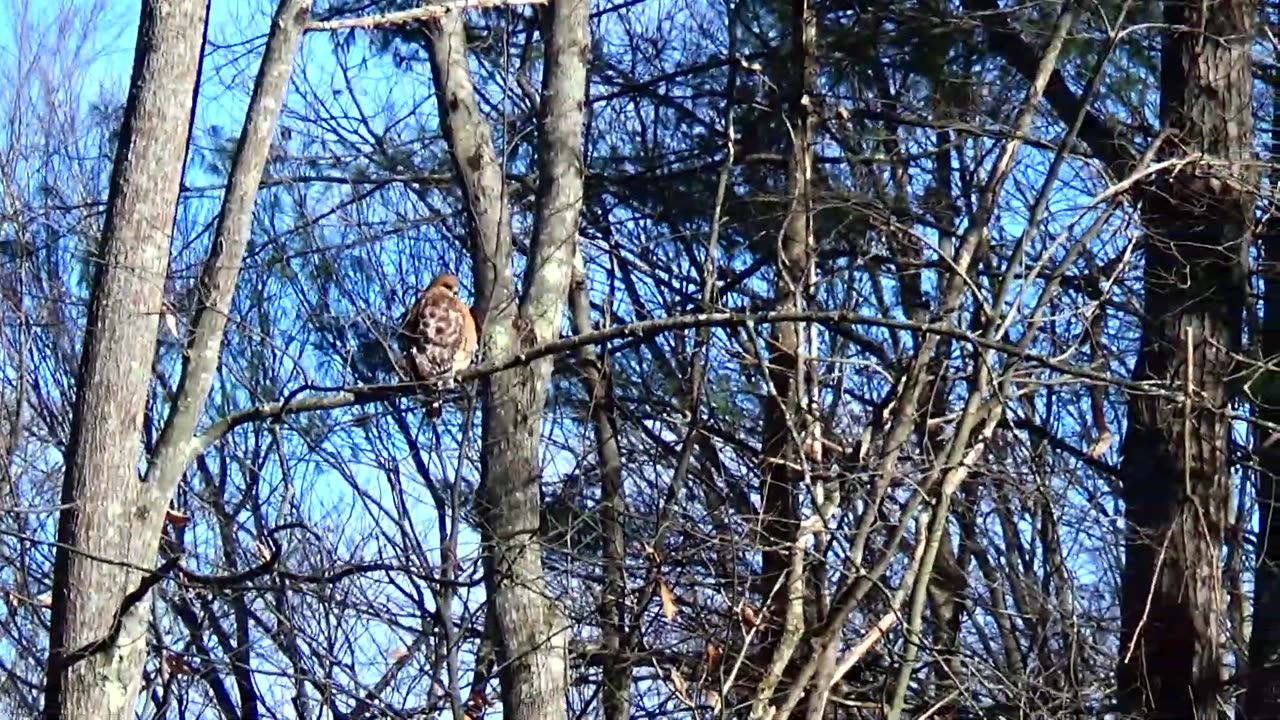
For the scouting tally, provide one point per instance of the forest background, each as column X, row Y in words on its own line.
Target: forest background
column 840, row 359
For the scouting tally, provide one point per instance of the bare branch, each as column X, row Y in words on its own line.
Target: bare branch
column 222, row 267
column 426, row 12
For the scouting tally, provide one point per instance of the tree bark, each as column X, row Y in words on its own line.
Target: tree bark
column 110, row 527
column 1262, row 698
column 531, row 635
column 96, row 529
column 1174, row 471
column 597, row 380
column 789, row 416
column 476, row 163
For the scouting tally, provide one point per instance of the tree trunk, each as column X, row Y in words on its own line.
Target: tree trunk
column 1175, row 461
column 531, row 635
column 101, row 484
column 597, row 379
column 101, row 481
column 788, row 413
column 112, row 522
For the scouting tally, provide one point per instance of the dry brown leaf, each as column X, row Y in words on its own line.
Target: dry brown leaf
column 478, row 699
column 813, row 451
column 669, row 607
column 680, row 685
column 175, row 519
column 711, row 655
column 713, row 699
column 749, row 617
column 264, row 552
column 177, row 665
column 171, row 322
column 397, row 654
column 1099, row 448
column 814, row 444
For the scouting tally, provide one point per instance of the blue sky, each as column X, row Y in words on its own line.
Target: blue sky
column 231, row 24
column 377, row 86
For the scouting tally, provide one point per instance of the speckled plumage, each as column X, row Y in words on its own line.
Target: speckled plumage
column 438, row 333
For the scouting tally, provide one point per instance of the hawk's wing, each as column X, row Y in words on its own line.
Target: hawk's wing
column 430, row 335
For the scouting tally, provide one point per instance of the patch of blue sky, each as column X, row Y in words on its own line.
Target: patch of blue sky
column 378, row 103
column 220, row 111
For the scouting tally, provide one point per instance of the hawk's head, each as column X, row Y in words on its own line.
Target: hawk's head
column 447, row 282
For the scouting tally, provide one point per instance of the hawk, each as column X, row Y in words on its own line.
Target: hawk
column 438, row 333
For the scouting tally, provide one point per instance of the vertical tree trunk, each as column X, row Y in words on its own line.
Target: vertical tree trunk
column 1174, row 470
column 101, row 484
column 529, row 633
column 532, row 634
column 788, row 416
column 112, row 522
column 597, row 379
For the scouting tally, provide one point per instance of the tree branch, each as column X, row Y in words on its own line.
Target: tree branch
column 221, row 269
column 336, row 397
column 426, row 12
column 1115, row 151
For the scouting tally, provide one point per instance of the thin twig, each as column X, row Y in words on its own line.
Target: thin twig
column 332, row 398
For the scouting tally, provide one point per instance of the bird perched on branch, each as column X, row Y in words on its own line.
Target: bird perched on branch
column 438, row 333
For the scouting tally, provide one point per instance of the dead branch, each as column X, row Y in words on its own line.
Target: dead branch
column 403, row 17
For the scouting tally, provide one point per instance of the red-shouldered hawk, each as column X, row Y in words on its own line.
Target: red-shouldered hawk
column 438, row 333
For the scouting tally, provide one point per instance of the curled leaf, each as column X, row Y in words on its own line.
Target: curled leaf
column 669, row 607
column 178, row 665
column 175, row 519
column 711, row 655
column 680, row 685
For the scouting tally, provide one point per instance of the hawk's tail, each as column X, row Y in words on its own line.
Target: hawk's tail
column 434, row 407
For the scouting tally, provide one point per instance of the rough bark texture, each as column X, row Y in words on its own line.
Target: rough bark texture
column 101, row 485
column 112, row 517
column 532, row 640
column 1262, row 699
column 530, row 633
column 1175, row 465
column 474, row 159
column 221, row 270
